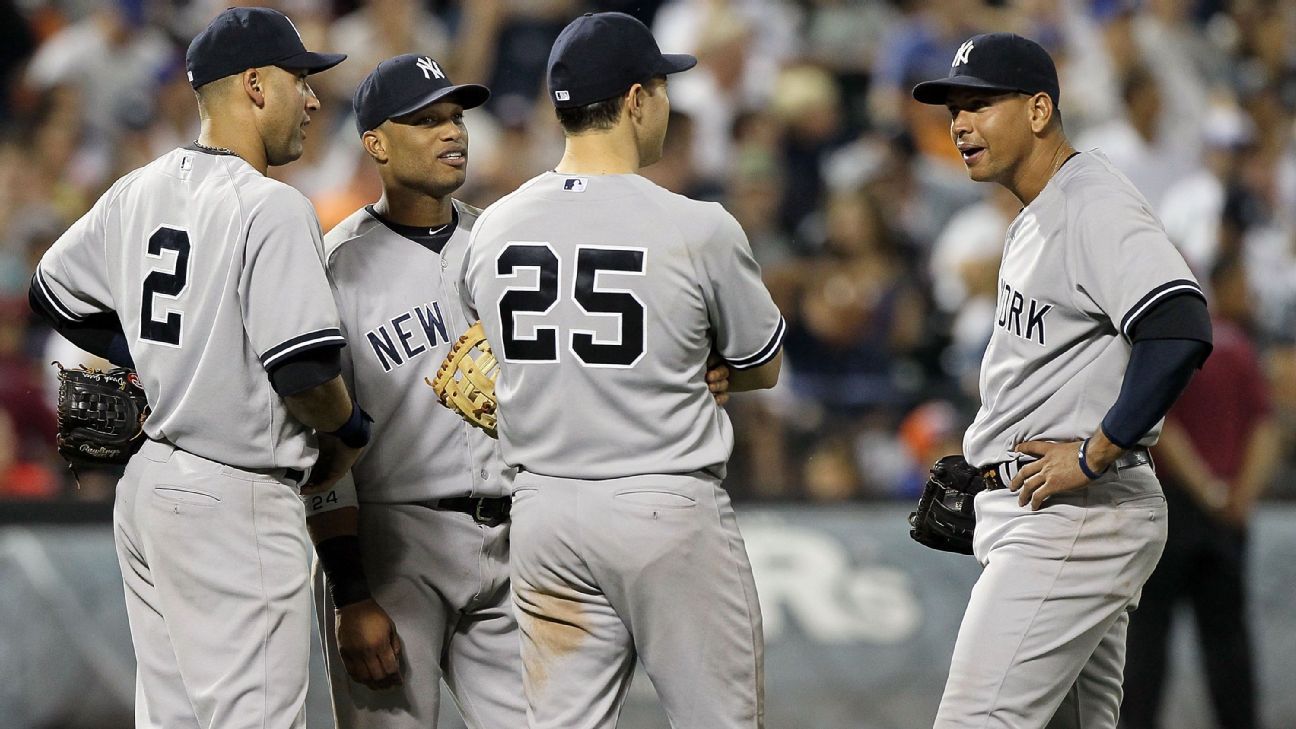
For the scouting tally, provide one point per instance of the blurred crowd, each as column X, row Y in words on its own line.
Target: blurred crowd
column 881, row 253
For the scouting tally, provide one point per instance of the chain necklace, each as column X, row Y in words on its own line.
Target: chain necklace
column 216, row 150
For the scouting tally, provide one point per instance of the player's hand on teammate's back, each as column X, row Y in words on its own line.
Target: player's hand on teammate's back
column 369, row 645
column 717, row 378
column 335, row 459
column 1056, row 471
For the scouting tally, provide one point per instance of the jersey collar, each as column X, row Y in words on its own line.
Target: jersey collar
column 433, row 239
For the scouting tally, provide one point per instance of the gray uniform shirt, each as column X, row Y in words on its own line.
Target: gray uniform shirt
column 602, row 296
column 215, row 273
column 400, row 308
column 1082, row 263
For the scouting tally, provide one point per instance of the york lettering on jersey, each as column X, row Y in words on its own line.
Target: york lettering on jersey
column 408, row 335
column 1014, row 307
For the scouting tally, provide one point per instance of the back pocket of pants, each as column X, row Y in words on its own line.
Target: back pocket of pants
column 184, row 496
column 656, row 499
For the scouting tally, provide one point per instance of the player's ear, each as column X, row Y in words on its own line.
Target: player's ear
column 253, row 82
column 634, row 101
column 1040, row 108
column 375, row 144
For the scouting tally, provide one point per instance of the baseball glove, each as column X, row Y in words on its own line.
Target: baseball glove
column 466, row 381
column 945, row 518
column 100, row 415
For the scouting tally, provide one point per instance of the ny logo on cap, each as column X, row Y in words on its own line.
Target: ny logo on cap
column 963, row 52
column 429, row 68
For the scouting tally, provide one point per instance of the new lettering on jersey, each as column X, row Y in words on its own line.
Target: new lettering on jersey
column 603, row 326
column 1066, row 307
column 154, row 248
column 400, row 332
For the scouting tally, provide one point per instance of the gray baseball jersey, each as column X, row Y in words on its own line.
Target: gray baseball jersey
column 1081, row 264
column 400, row 309
column 214, row 271
column 632, row 322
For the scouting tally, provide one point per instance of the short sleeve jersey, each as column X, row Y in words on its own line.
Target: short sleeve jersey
column 215, row 273
column 1082, row 264
column 602, row 297
column 398, row 298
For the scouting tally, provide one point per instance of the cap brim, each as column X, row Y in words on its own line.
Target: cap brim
column 468, row 96
column 935, row 92
column 312, row 62
column 676, row 62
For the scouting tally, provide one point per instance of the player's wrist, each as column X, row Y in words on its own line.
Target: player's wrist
column 340, row 558
column 354, row 433
column 1091, row 465
column 1102, row 451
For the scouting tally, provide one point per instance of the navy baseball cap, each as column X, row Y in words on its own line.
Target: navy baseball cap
column 405, row 84
column 995, row 62
column 243, row 38
column 600, row 55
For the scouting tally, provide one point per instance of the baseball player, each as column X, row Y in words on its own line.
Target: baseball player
column 429, row 526
column 1099, row 327
column 602, row 295
column 206, row 275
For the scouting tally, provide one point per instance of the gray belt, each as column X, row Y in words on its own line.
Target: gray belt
column 999, row 475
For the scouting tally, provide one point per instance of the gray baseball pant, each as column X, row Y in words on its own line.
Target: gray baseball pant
column 647, row 567
column 443, row 579
column 216, row 566
column 1042, row 643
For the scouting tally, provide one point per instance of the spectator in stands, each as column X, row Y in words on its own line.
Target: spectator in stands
column 1138, row 143
column 109, row 58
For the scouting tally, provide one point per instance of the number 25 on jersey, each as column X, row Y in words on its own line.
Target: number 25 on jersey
column 594, row 300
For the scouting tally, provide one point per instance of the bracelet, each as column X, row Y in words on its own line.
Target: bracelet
column 354, row 433
column 340, row 558
column 1084, row 465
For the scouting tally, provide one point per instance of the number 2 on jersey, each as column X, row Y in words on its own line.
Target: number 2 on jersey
column 623, row 351
column 165, row 283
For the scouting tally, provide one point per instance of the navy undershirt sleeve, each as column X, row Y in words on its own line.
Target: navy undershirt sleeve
column 98, row 334
column 1177, row 317
column 1170, row 343
column 304, row 370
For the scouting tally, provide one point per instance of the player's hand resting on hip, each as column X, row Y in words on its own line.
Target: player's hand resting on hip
column 369, row 645
column 1058, row 468
column 717, row 378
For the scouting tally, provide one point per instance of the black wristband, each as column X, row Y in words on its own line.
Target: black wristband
column 1084, row 461
column 354, row 433
column 340, row 558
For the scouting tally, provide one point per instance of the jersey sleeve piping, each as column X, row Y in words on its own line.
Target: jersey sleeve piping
column 1169, row 288
column 330, row 337
column 765, row 353
column 50, row 300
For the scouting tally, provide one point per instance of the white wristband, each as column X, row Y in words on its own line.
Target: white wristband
column 340, row 496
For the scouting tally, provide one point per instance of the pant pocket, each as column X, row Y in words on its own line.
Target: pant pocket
column 1141, row 500
column 185, row 495
column 656, row 499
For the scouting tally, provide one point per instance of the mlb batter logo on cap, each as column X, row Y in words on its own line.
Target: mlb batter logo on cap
column 574, row 184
